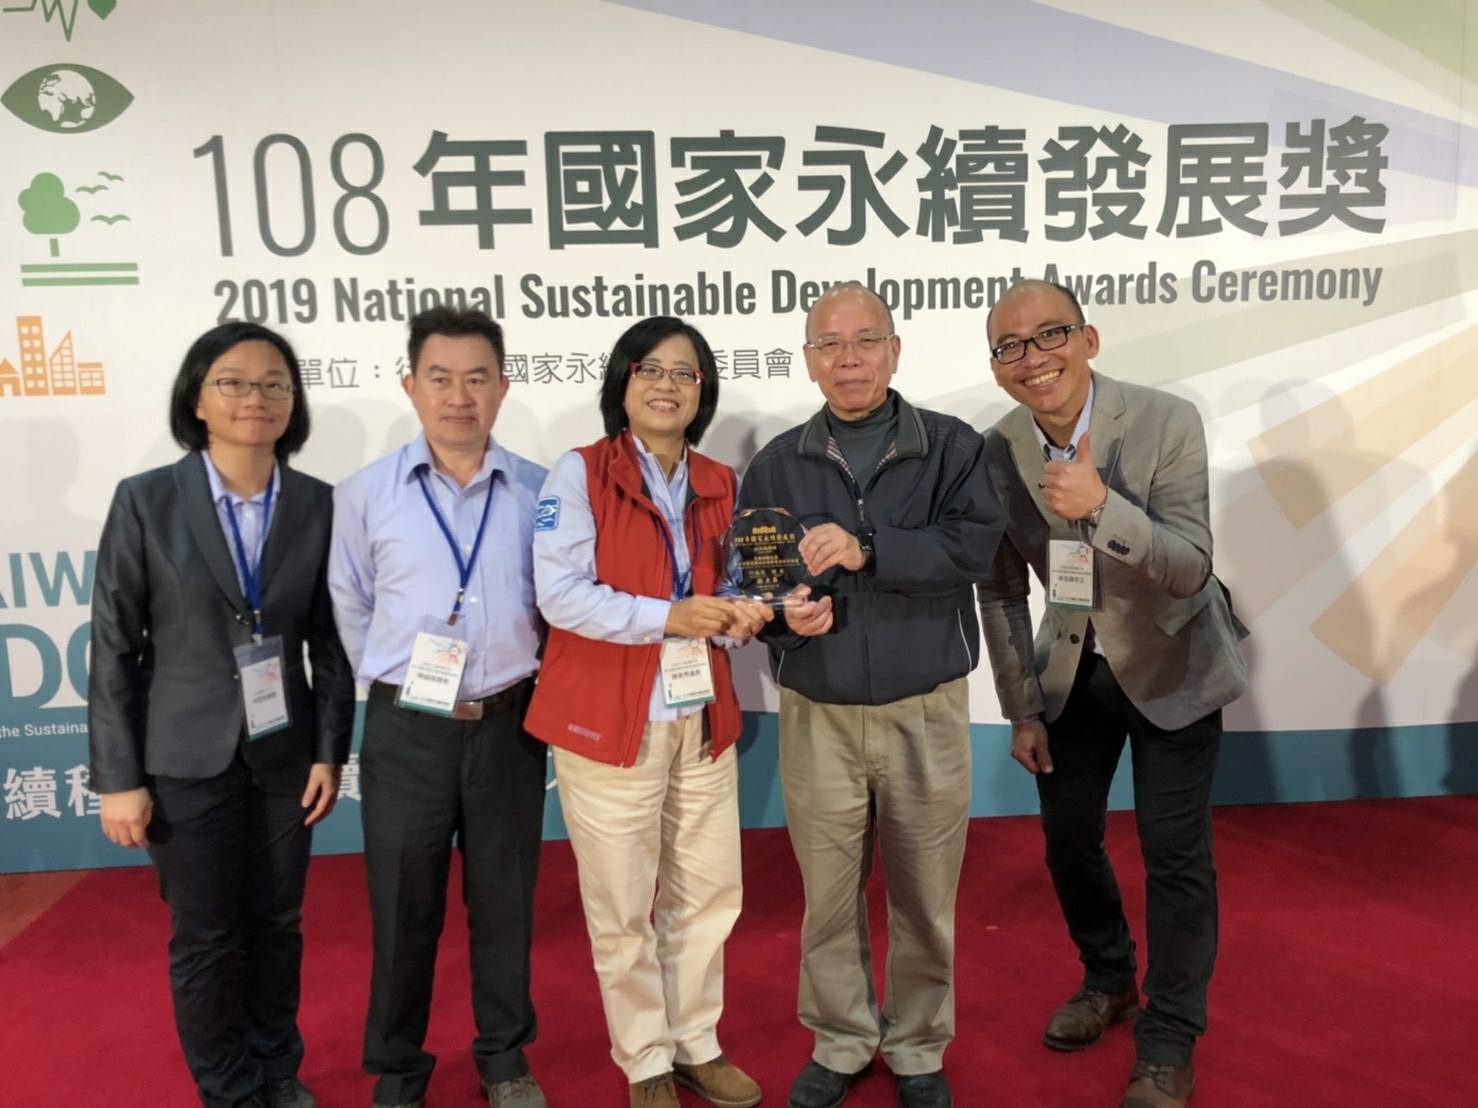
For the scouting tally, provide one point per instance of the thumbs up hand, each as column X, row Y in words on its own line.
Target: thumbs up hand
column 1073, row 489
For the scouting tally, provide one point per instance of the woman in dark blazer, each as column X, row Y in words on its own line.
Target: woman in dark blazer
column 210, row 585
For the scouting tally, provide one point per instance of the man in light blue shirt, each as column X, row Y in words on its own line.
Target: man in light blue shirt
column 432, row 551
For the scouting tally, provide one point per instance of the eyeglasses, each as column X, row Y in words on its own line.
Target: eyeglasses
column 237, row 389
column 1049, row 338
column 831, row 346
column 682, row 375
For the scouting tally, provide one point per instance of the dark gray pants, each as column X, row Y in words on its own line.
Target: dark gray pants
column 232, row 856
column 1172, row 809
column 427, row 782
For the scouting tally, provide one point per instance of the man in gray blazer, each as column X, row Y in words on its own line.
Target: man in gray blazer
column 1105, row 490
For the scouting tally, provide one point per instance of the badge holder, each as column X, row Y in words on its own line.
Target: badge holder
column 434, row 676
column 1072, row 580
column 262, row 668
column 687, row 672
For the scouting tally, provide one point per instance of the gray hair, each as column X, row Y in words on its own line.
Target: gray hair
column 849, row 286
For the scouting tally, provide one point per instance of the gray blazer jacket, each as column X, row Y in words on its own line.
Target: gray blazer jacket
column 1164, row 623
column 167, row 610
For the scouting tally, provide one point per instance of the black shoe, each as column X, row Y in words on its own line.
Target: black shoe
column 818, row 1087
column 924, row 1090
column 288, row 1092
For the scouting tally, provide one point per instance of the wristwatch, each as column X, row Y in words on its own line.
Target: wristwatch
column 1096, row 515
column 864, row 540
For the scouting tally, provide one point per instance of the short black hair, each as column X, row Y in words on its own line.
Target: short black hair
column 636, row 344
column 189, row 430
column 1072, row 298
column 454, row 323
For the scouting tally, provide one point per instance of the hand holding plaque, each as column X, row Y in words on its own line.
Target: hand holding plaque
column 760, row 551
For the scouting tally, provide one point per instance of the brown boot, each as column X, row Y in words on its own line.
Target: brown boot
column 719, row 1082
column 1082, row 1020
column 654, row 1092
column 1159, row 1085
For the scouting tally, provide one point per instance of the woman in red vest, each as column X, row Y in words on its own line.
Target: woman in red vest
column 637, row 701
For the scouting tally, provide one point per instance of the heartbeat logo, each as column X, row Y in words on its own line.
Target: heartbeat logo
column 64, row 12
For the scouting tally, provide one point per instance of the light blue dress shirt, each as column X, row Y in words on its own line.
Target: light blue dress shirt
column 392, row 574
column 1054, row 453
column 1069, row 453
column 250, row 516
column 564, row 564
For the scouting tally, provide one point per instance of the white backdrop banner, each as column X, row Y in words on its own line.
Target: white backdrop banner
column 1267, row 208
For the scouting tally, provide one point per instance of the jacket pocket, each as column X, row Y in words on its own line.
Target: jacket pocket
column 964, row 638
column 1180, row 612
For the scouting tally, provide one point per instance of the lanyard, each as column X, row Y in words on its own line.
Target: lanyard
column 681, row 582
column 251, row 574
column 464, row 569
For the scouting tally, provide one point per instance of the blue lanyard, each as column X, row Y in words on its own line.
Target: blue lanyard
column 464, row 569
column 252, row 574
column 681, row 582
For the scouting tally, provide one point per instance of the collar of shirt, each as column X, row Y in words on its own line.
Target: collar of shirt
column 224, row 497
column 668, row 492
column 1050, row 450
column 418, row 455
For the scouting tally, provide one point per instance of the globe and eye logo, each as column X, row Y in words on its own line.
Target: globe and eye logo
column 66, row 99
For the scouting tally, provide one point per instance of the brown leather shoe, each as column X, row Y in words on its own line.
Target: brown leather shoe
column 1082, row 1020
column 1159, row 1085
column 719, row 1082
column 655, row 1092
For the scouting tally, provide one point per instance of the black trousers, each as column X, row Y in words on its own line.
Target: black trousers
column 231, row 852
column 426, row 782
column 1172, row 808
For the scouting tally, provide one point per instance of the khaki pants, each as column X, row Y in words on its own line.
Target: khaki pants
column 665, row 830
column 899, row 773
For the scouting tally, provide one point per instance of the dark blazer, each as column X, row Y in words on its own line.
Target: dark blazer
column 164, row 696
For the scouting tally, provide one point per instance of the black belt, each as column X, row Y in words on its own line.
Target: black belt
column 496, row 704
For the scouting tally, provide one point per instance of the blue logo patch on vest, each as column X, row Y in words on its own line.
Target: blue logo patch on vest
column 546, row 514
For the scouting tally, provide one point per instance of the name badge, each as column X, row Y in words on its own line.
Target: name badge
column 263, row 673
column 434, row 676
column 687, row 676
column 1070, row 574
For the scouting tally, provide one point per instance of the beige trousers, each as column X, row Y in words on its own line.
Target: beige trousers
column 661, row 834
column 898, row 773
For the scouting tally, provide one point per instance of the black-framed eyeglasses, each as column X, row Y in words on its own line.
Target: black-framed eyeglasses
column 681, row 375
column 1048, row 338
column 238, row 389
column 833, row 345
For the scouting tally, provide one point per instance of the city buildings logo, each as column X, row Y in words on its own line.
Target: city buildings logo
column 59, row 374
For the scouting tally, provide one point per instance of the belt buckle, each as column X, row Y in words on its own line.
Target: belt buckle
column 467, row 710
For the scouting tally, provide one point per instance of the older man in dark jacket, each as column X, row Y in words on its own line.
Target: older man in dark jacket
column 874, row 707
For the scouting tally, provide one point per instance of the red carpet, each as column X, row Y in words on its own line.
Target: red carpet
column 1347, row 976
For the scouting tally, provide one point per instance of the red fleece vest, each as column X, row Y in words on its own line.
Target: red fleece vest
column 593, row 696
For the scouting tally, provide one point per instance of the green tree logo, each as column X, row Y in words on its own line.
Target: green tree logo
column 66, row 99
column 49, row 211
